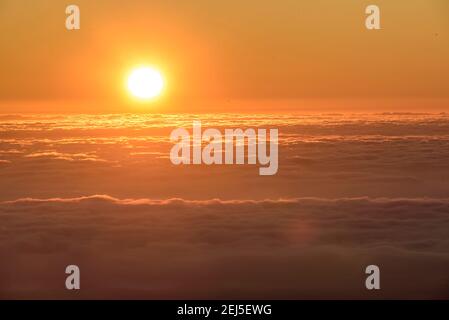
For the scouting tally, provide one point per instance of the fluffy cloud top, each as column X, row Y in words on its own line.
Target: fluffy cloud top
column 358, row 190
column 295, row 248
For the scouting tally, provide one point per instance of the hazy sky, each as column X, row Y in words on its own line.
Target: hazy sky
column 224, row 50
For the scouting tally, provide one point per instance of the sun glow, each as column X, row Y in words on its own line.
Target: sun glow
column 145, row 83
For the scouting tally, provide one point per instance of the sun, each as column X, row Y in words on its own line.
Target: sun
column 145, row 83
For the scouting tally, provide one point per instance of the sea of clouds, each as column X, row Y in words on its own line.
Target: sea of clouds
column 100, row 192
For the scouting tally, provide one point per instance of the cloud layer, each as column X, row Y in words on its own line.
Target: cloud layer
column 358, row 190
column 332, row 156
column 297, row 248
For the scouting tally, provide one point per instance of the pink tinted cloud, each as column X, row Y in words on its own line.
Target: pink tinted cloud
column 175, row 248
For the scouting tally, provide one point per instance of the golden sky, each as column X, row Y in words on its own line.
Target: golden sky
column 252, row 50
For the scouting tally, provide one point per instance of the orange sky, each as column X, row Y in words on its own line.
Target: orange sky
column 215, row 54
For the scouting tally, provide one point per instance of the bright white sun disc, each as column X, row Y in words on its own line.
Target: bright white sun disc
column 145, row 83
